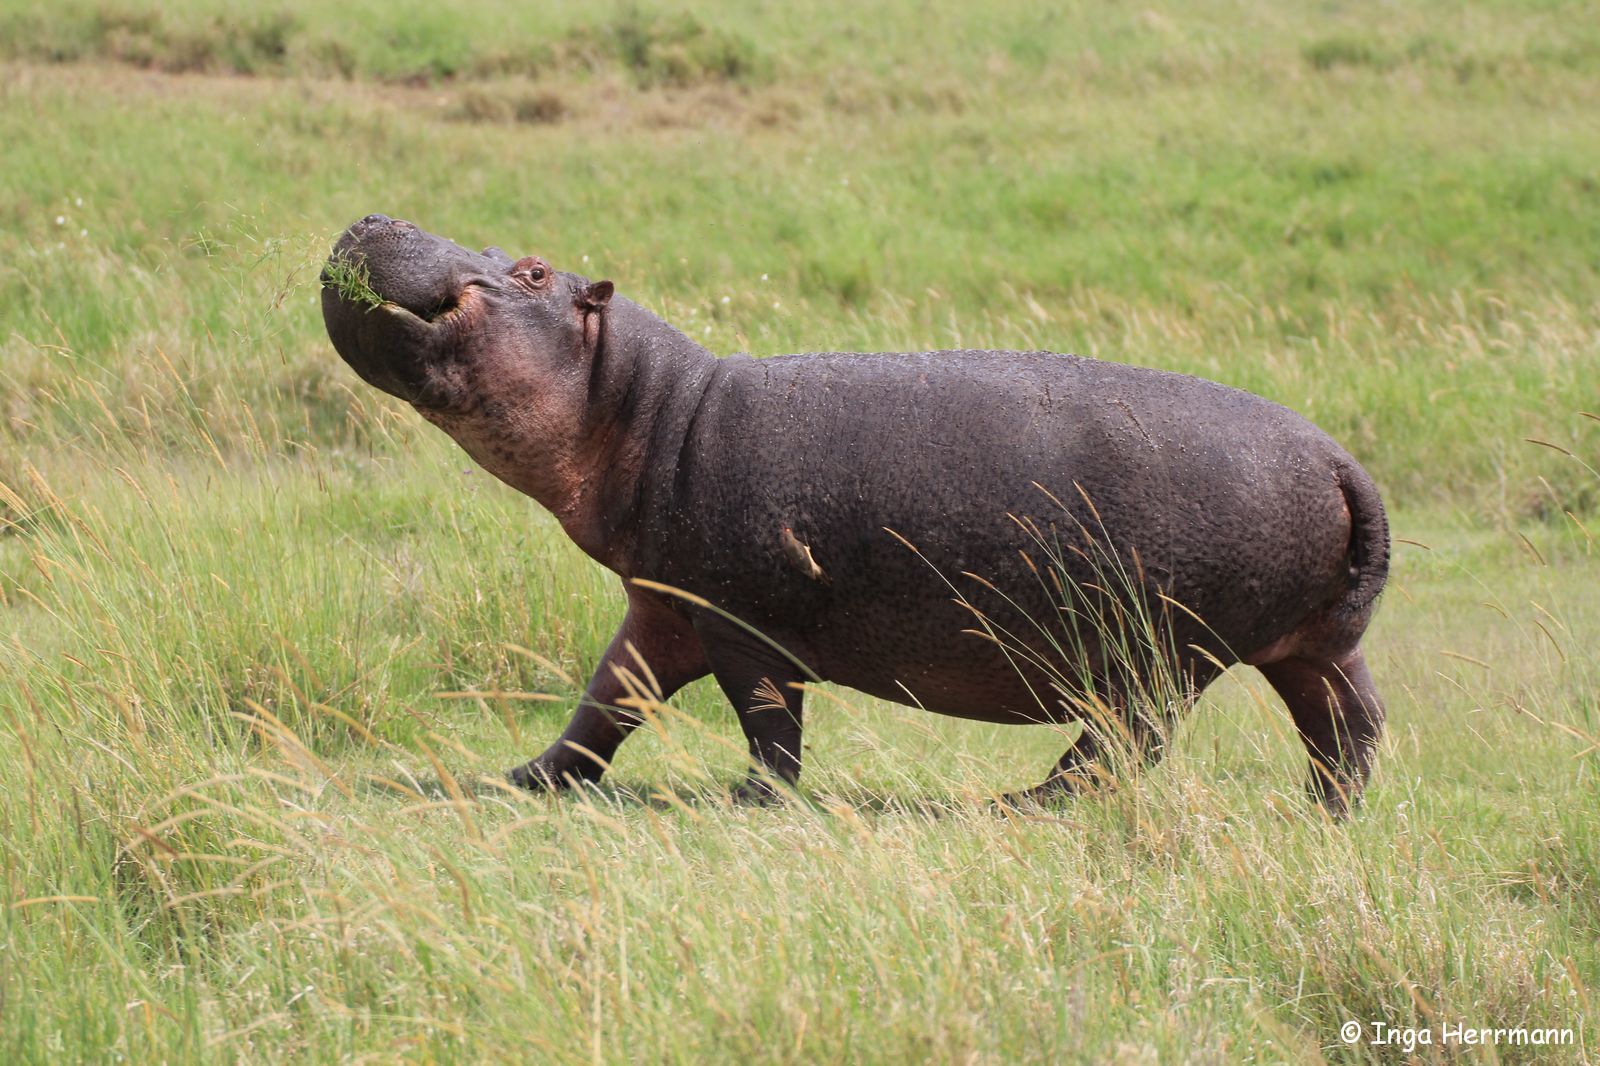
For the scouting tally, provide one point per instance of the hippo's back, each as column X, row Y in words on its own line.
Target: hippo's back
column 995, row 467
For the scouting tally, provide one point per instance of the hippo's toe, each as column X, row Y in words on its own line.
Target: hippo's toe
column 536, row 777
column 755, row 792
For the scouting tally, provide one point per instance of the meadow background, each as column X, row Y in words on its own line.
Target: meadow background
column 248, row 804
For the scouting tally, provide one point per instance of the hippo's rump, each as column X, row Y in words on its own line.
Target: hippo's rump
column 997, row 467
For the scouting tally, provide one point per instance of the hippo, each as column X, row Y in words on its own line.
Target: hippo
column 1016, row 537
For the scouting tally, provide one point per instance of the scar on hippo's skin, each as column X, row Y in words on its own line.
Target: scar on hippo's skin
column 799, row 556
column 1136, row 423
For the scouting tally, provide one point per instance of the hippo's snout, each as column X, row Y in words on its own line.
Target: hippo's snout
column 373, row 220
column 372, row 224
column 384, row 281
column 398, row 263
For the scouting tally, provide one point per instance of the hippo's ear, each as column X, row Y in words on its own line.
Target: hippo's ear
column 591, row 301
column 595, row 295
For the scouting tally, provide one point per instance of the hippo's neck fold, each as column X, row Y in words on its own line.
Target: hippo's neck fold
column 644, row 383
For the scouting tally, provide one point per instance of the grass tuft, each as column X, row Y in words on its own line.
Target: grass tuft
column 352, row 280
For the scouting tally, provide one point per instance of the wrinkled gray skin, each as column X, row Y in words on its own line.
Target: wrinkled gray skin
column 769, row 488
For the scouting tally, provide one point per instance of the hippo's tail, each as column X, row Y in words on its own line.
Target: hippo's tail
column 1368, row 556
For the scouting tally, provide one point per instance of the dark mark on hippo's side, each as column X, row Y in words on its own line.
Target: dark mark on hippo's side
column 1224, row 528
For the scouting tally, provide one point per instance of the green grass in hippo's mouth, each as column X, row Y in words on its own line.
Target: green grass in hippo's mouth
column 352, row 280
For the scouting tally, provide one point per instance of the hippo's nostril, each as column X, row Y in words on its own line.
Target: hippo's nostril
column 373, row 220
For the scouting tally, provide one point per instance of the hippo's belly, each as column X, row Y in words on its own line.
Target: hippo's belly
column 964, row 677
column 933, row 658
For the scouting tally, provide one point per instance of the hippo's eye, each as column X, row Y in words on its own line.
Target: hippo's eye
column 530, row 269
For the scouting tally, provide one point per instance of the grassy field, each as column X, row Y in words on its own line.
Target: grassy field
column 246, row 811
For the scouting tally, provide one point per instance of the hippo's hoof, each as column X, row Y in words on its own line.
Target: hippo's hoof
column 535, row 776
column 1030, row 800
column 755, row 792
column 1336, row 797
column 1054, row 792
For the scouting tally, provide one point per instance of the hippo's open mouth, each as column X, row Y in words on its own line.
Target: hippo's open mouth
column 383, row 260
column 385, row 289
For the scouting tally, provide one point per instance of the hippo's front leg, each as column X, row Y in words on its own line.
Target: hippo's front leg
column 763, row 684
column 668, row 644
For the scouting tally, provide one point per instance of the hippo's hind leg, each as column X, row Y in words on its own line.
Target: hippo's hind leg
column 668, row 645
column 1336, row 707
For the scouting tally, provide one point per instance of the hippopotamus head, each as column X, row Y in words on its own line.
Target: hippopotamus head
column 443, row 328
